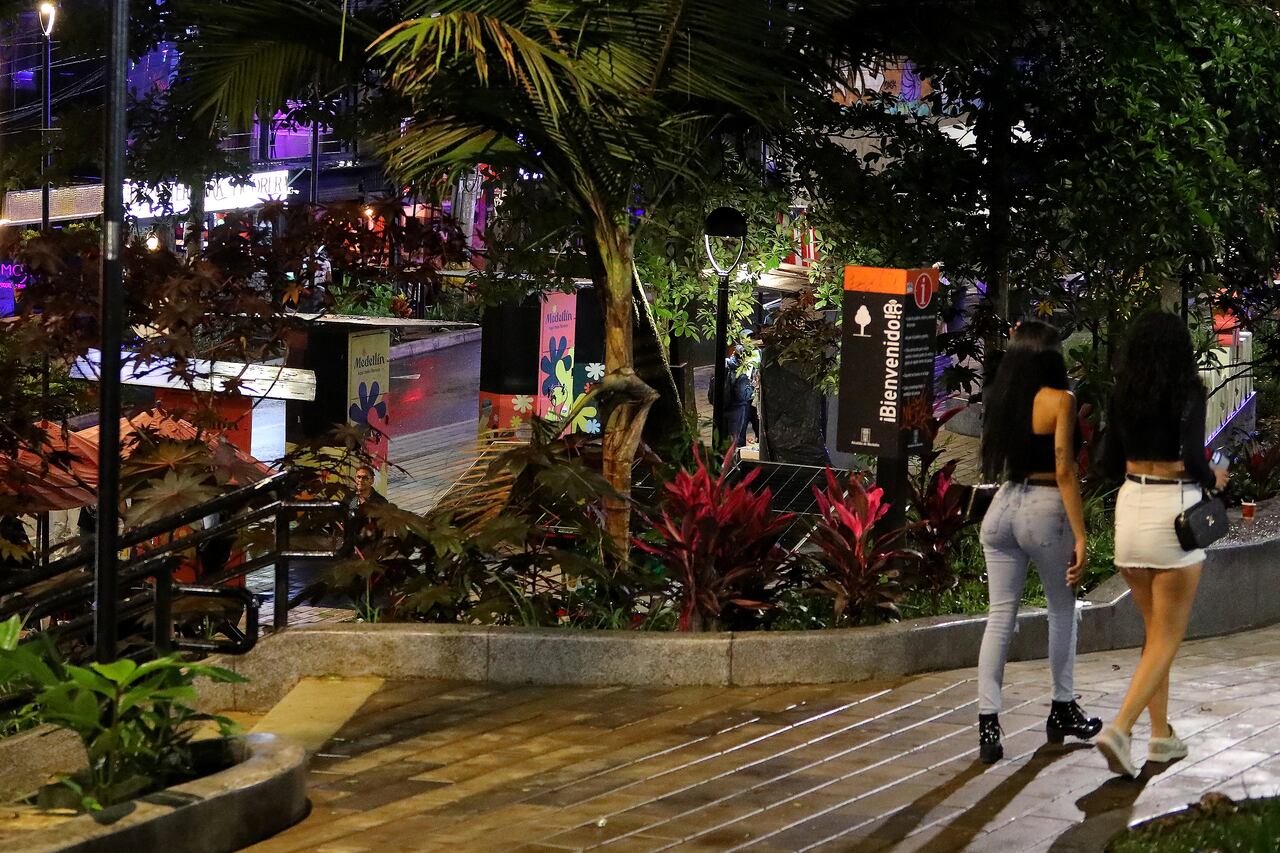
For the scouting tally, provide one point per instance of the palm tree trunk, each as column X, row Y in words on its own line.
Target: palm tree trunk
column 627, row 396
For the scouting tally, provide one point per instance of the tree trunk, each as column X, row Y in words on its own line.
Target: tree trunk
column 626, row 397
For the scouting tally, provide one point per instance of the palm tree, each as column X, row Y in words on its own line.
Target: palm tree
column 598, row 99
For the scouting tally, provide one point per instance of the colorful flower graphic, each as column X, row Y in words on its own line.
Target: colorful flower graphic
column 587, row 417
column 553, row 361
column 516, row 422
column 595, row 371
column 371, row 413
column 522, row 403
column 369, row 404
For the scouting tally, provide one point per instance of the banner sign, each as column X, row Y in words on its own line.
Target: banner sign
column 886, row 360
column 13, row 278
column 368, row 382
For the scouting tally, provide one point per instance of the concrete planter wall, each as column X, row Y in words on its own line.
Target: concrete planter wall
column 1236, row 594
column 260, row 796
column 33, row 758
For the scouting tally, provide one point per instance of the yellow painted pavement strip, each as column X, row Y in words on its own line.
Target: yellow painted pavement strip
column 315, row 709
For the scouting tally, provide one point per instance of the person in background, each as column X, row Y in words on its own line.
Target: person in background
column 363, row 526
column 738, row 396
column 1155, row 440
column 1029, row 444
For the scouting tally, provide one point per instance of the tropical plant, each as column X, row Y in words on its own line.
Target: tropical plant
column 1255, row 468
column 857, row 561
column 940, row 509
column 801, row 339
column 133, row 719
column 615, row 105
column 719, row 539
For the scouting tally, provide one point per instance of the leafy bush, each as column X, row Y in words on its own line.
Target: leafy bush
column 1255, row 468
column 1215, row 823
column 524, row 546
column 857, row 560
column 941, row 513
column 132, row 718
column 719, row 539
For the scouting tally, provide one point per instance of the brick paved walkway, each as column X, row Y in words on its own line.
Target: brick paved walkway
column 858, row 767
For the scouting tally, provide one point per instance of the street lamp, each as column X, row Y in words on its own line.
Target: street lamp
column 48, row 15
column 111, row 325
column 726, row 224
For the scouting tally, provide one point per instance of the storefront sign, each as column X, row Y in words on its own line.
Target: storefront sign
column 368, row 383
column 887, row 359
column 13, row 278
column 223, row 195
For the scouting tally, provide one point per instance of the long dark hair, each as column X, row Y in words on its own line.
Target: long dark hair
column 1032, row 361
column 1156, row 373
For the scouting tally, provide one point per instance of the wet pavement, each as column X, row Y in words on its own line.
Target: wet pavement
column 435, row 766
column 435, row 389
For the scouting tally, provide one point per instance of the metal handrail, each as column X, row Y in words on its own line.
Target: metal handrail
column 159, row 562
column 136, row 536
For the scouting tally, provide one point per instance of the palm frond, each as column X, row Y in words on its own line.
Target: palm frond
column 254, row 56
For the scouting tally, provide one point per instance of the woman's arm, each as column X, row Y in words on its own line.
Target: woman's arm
column 1191, row 436
column 1064, row 456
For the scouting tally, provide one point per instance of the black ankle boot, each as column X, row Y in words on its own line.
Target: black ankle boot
column 990, row 749
column 1066, row 718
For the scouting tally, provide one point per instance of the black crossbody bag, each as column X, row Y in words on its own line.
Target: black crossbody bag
column 1201, row 525
column 1204, row 523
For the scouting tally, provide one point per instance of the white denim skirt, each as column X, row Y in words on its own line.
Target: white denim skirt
column 1145, row 537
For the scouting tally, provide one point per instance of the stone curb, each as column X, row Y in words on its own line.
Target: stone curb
column 1235, row 595
column 432, row 343
column 262, row 795
column 32, row 758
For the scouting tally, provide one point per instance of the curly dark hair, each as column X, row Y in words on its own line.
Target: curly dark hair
column 1032, row 361
column 1156, row 373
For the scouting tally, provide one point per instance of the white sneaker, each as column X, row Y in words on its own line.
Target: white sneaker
column 1164, row 749
column 1114, row 746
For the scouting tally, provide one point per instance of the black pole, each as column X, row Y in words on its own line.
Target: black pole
column 46, row 121
column 104, row 624
column 315, row 161
column 722, row 355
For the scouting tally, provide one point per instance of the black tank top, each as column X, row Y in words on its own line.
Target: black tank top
column 1040, row 455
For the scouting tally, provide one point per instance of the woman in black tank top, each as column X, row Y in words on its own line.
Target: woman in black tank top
column 1036, row 517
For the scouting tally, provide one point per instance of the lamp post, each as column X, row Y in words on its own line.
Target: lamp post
column 724, row 223
column 111, row 307
column 48, row 16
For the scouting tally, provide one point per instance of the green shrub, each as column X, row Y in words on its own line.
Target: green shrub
column 133, row 719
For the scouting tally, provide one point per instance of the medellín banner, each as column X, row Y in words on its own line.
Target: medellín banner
column 886, row 360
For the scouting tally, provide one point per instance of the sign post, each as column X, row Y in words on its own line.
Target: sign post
column 886, row 370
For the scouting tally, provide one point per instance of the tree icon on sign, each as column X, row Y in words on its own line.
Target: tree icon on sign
column 863, row 319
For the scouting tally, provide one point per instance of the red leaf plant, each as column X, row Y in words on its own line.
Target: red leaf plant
column 856, row 558
column 941, row 507
column 718, row 538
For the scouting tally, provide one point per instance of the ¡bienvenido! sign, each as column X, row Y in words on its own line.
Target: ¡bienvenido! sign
column 887, row 355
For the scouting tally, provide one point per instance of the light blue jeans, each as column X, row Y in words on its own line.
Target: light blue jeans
column 1026, row 524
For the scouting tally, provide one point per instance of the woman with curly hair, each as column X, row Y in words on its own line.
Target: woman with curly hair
column 1156, row 441
column 1029, row 443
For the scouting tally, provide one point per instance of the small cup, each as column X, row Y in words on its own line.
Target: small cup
column 1247, row 510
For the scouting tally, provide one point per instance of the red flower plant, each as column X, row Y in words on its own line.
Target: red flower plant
column 856, row 558
column 716, row 537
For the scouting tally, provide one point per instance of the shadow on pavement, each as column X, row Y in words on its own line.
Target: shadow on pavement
column 964, row 827
column 1107, row 809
